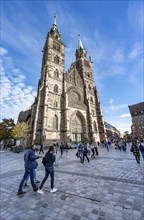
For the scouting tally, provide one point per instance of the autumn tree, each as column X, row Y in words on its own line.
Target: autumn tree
column 6, row 127
column 20, row 131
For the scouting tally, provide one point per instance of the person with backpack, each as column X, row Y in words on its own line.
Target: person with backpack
column 136, row 152
column 141, row 148
column 48, row 162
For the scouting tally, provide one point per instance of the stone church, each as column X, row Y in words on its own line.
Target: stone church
column 67, row 107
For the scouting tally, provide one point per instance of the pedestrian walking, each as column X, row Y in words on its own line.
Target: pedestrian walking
column 62, row 148
column 141, row 148
column 67, row 149
column 30, row 166
column 80, row 151
column 57, row 147
column 96, row 149
column 93, row 150
column 106, row 145
column 136, row 152
column 35, row 177
column 123, row 144
column 88, row 149
column 48, row 162
column 85, row 152
column 41, row 149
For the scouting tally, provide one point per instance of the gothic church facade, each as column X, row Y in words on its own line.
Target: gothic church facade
column 67, row 107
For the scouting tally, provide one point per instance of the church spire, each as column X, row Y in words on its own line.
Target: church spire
column 54, row 19
column 80, row 45
column 54, row 30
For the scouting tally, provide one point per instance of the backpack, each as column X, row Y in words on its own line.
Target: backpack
column 44, row 161
column 141, row 147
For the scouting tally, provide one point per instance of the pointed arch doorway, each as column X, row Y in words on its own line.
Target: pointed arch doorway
column 77, row 127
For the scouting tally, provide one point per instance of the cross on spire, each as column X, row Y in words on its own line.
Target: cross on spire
column 54, row 19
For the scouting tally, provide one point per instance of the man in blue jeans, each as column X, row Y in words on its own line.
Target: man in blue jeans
column 30, row 166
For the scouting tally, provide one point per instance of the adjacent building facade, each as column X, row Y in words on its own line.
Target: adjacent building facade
column 67, row 107
column 137, row 114
column 112, row 133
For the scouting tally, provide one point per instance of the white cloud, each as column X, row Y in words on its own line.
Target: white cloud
column 119, row 55
column 113, row 107
column 3, row 51
column 125, row 115
column 16, row 96
column 135, row 52
column 136, row 15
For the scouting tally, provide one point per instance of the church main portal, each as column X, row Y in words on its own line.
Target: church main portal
column 77, row 128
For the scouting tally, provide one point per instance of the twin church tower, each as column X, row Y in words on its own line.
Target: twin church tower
column 67, row 107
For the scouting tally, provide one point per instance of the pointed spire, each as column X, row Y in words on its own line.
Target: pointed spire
column 54, row 19
column 80, row 45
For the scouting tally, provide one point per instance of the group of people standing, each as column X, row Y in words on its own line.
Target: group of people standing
column 85, row 149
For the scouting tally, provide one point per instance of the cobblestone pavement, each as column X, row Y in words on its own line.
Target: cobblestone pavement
column 110, row 187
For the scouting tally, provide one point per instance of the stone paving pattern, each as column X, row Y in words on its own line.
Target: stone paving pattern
column 110, row 187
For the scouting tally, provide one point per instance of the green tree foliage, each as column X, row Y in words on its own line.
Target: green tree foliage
column 6, row 127
column 16, row 132
column 127, row 136
column 20, row 131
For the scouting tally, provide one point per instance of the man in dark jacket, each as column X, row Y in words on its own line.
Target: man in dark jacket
column 48, row 162
column 30, row 166
column 136, row 152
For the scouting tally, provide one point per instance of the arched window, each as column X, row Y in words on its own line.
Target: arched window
column 95, row 127
column 92, row 112
column 88, row 74
column 56, row 73
column 55, row 122
column 56, row 88
column 89, row 87
column 56, row 59
column 55, row 104
column 91, row 99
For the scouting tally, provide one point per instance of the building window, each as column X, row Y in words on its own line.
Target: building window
column 56, row 73
column 91, row 99
column 56, row 59
column 89, row 87
column 92, row 112
column 95, row 127
column 55, row 122
column 55, row 104
column 56, row 46
column 56, row 88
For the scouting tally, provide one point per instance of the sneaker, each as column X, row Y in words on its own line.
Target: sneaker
column 20, row 193
column 53, row 190
column 35, row 189
column 40, row 191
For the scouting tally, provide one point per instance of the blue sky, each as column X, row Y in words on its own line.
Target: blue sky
column 111, row 32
